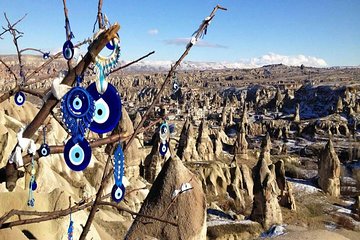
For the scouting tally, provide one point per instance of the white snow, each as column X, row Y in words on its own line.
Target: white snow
column 303, row 186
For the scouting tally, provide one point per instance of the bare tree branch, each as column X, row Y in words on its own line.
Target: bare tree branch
column 12, row 26
column 93, row 51
column 200, row 31
column 16, row 35
column 9, row 69
column 134, row 213
column 131, row 63
column 67, row 31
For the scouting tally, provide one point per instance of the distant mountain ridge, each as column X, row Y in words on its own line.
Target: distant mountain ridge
column 163, row 66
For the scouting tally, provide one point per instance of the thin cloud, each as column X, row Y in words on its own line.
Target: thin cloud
column 199, row 43
column 153, row 31
column 296, row 60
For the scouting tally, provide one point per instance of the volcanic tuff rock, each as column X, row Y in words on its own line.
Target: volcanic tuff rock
column 204, row 143
column 187, row 210
column 241, row 146
column 266, row 209
column 329, row 170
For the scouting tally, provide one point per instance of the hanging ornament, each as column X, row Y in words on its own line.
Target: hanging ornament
column 108, row 102
column 71, row 229
column 68, row 47
column 77, row 153
column 77, row 108
column 32, row 184
column 107, row 108
column 46, row 55
column 164, row 136
column 68, row 50
column 176, row 90
column 44, row 150
column 104, row 65
column 19, row 98
column 118, row 190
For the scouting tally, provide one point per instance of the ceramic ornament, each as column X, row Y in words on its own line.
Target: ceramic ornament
column 118, row 190
column 78, row 109
column 164, row 133
column 108, row 102
column 32, row 184
column 19, row 98
column 44, row 150
column 77, row 154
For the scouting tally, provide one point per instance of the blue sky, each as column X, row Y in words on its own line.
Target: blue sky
column 250, row 31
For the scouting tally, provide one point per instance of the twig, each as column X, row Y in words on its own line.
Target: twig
column 131, row 63
column 99, row 15
column 12, row 26
column 10, row 70
column 173, row 68
column 32, row 49
column 134, row 213
column 57, row 55
column 32, row 92
column 67, row 31
column 16, row 35
column 60, row 213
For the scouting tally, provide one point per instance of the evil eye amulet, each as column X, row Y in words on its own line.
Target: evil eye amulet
column 31, row 202
column 19, row 98
column 44, row 150
column 107, row 108
column 163, row 148
column 110, row 45
column 33, row 185
column 78, row 102
column 77, row 154
column 164, row 131
column 175, row 87
column 68, row 50
column 118, row 193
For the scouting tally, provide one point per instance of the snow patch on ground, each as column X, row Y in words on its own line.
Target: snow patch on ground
column 303, row 186
column 227, row 221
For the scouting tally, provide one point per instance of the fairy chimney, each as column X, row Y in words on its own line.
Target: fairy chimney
column 240, row 147
column 297, row 114
column 266, row 209
column 190, row 152
column 339, row 105
column 176, row 196
column 329, row 170
column 204, row 144
column 265, row 148
column 223, row 117
column 183, row 138
column 154, row 161
column 286, row 196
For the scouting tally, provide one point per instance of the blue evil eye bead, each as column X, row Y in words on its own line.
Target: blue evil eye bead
column 172, row 128
column 68, row 50
column 33, row 185
column 78, row 102
column 175, row 87
column 31, row 202
column 107, row 108
column 118, row 193
column 46, row 55
column 71, row 230
column 19, row 98
column 164, row 146
column 164, row 131
column 77, row 154
column 110, row 45
column 44, row 150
